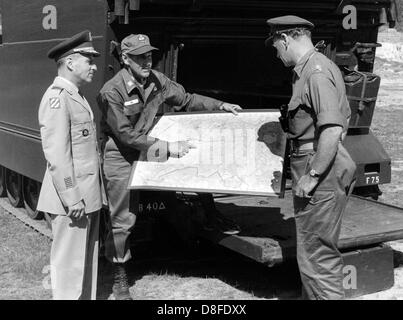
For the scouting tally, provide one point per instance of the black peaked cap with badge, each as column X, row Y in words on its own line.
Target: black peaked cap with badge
column 283, row 24
column 79, row 43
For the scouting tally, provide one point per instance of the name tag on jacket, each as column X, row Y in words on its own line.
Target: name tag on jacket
column 129, row 103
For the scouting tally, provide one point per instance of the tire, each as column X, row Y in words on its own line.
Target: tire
column 3, row 192
column 30, row 191
column 48, row 220
column 14, row 188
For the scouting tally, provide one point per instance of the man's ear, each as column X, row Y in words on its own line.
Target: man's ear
column 125, row 59
column 285, row 40
column 69, row 63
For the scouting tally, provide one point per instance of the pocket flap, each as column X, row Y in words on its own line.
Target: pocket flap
column 132, row 107
column 294, row 104
column 85, row 168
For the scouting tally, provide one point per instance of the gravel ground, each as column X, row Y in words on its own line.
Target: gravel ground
column 387, row 127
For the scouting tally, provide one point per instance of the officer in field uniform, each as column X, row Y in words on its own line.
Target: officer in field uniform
column 72, row 191
column 129, row 103
column 316, row 121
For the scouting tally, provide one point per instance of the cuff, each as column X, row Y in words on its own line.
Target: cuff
column 158, row 152
column 71, row 196
column 334, row 117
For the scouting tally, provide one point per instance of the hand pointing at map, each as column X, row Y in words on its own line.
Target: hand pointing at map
column 178, row 149
column 229, row 107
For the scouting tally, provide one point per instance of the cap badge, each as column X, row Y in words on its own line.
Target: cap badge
column 141, row 37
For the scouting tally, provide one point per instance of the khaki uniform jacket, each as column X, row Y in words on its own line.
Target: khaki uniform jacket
column 70, row 146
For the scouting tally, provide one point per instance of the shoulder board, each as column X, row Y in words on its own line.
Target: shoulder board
column 317, row 68
column 57, row 88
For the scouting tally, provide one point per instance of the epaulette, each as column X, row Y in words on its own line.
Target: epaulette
column 55, row 87
column 317, row 68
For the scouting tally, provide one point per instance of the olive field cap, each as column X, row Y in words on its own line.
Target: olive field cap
column 79, row 43
column 136, row 44
column 283, row 24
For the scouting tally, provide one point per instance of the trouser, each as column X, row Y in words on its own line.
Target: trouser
column 318, row 223
column 74, row 257
column 124, row 204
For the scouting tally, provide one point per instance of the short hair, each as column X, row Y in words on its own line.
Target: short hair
column 294, row 33
column 62, row 61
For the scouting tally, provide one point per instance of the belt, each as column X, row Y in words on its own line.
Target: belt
column 298, row 146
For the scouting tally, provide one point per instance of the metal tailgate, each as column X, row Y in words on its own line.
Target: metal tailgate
column 268, row 227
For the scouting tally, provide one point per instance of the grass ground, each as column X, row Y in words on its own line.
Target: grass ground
column 23, row 256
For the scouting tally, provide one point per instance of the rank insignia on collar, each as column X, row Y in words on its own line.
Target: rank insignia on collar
column 54, row 103
column 130, row 83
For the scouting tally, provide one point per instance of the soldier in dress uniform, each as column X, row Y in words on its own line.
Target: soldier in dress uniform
column 72, row 190
column 129, row 103
column 316, row 121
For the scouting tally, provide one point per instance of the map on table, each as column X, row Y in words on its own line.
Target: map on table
column 241, row 154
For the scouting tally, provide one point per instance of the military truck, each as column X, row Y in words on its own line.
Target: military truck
column 215, row 48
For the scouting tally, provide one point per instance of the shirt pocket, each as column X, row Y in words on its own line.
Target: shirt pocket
column 298, row 113
column 84, row 148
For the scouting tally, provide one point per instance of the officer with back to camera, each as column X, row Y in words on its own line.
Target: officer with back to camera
column 322, row 170
column 72, row 190
column 129, row 103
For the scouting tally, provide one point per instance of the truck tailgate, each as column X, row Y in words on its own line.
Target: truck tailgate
column 268, row 227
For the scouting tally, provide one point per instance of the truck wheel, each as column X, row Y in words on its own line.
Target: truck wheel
column 14, row 188
column 30, row 191
column 2, row 183
column 48, row 220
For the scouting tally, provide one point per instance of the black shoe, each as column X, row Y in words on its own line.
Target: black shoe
column 221, row 223
column 120, row 286
column 227, row 226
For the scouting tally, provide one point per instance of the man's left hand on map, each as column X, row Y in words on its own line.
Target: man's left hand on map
column 229, row 107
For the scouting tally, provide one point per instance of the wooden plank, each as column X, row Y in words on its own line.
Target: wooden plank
column 268, row 224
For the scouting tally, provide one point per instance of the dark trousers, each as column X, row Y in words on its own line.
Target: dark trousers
column 318, row 222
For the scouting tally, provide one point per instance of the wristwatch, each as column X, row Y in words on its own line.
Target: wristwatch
column 313, row 173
